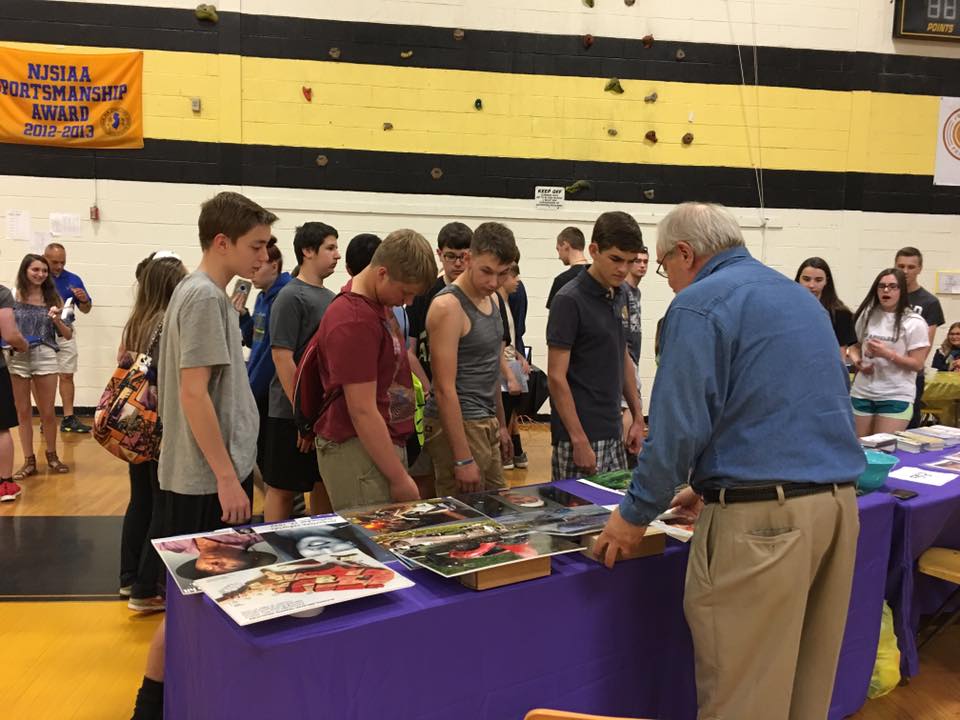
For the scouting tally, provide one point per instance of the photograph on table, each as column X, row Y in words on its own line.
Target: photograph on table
column 616, row 480
column 452, row 550
column 273, row 591
column 541, row 508
column 398, row 517
column 193, row 557
column 949, row 464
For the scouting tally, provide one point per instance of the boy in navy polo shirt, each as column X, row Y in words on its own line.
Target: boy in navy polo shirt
column 69, row 285
column 588, row 366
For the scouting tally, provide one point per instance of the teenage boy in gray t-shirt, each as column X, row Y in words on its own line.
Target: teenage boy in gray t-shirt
column 290, row 462
column 210, row 418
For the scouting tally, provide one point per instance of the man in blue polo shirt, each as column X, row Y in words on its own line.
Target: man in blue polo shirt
column 588, row 367
column 69, row 285
column 750, row 405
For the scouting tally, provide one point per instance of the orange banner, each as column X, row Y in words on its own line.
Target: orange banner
column 71, row 100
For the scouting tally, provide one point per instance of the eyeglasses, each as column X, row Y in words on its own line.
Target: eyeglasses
column 660, row 270
column 888, row 286
column 455, row 257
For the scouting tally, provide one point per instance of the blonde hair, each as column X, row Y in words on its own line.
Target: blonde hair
column 947, row 348
column 157, row 282
column 407, row 257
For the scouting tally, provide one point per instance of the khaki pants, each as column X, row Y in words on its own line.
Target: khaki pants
column 767, row 594
column 349, row 474
column 484, row 446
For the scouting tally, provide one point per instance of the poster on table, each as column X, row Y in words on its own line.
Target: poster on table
column 82, row 100
column 396, row 517
column 263, row 593
column 462, row 548
column 947, row 164
column 541, row 508
column 191, row 558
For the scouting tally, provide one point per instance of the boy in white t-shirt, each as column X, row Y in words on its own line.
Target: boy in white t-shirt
column 893, row 345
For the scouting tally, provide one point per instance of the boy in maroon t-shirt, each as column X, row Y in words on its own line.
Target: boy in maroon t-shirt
column 361, row 437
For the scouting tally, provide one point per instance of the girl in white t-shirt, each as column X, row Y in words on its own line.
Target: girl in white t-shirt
column 893, row 346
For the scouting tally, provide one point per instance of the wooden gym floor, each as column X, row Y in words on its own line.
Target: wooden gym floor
column 83, row 659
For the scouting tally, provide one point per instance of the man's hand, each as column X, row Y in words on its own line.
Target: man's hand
column 524, row 365
column 467, row 477
column 687, row 505
column 80, row 295
column 513, row 385
column 506, row 444
column 634, row 439
column 405, row 490
column 619, row 539
column 306, row 444
column 584, row 457
column 233, row 501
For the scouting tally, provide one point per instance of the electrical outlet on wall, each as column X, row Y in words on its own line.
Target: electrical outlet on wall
column 195, row 104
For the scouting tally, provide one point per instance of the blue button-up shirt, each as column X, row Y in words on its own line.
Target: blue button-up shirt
column 750, row 390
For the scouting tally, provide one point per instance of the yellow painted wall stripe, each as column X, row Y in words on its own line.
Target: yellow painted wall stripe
column 259, row 101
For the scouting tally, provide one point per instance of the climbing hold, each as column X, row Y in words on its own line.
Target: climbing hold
column 436, row 173
column 587, row 41
column 651, row 98
column 629, row 3
column 649, row 193
column 458, row 34
column 647, row 41
column 588, row 3
column 687, row 139
column 322, row 160
column 612, row 132
column 478, row 104
column 613, row 85
column 388, row 126
column 577, row 187
column 307, row 93
column 406, row 54
column 334, row 52
column 207, row 12
column 651, row 136
column 681, row 55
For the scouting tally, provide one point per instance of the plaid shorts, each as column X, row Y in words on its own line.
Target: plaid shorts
column 611, row 455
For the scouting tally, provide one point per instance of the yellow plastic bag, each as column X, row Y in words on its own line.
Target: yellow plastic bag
column 886, row 670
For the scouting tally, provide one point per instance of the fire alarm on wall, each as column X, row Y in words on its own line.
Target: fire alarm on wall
column 94, row 213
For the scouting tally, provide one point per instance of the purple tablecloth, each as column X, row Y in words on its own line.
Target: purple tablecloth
column 583, row 639
column 932, row 518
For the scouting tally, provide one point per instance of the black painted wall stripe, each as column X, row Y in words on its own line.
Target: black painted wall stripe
column 367, row 171
column 494, row 51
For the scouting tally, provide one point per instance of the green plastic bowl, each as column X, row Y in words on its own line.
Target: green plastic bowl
column 879, row 465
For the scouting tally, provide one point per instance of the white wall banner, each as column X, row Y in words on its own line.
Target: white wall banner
column 947, row 168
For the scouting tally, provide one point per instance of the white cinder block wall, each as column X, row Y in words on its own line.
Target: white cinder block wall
column 140, row 217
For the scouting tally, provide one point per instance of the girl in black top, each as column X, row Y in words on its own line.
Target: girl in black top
column 947, row 356
column 814, row 274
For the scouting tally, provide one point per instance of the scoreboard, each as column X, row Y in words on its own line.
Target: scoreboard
column 930, row 19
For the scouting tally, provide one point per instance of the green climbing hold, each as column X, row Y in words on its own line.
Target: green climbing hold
column 588, row 3
column 613, row 85
column 577, row 187
column 207, row 12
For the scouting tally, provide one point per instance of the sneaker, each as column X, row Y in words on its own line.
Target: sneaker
column 72, row 424
column 508, row 465
column 148, row 605
column 520, row 461
column 9, row 491
column 125, row 591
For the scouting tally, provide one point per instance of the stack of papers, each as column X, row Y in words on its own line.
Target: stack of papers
column 912, row 442
column 948, row 435
column 880, row 441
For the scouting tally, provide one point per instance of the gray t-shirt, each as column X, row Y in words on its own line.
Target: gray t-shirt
column 294, row 319
column 6, row 303
column 631, row 324
column 202, row 329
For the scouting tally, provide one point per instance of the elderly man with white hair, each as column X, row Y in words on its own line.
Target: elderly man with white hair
column 750, row 407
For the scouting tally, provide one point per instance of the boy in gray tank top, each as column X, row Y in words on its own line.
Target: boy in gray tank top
column 464, row 427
